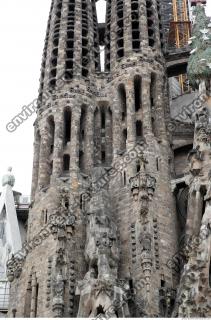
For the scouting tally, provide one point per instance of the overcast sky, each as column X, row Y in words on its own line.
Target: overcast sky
column 22, row 32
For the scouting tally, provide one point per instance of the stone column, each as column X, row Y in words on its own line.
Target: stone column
column 197, row 212
column 44, row 178
column 113, row 34
column 131, row 117
column 127, row 28
column 117, row 130
column 35, row 171
column 108, row 136
column 146, row 105
column 143, row 24
column 156, row 24
column 89, row 139
column 159, row 113
column 62, row 43
column 194, row 215
column 78, row 39
column 74, row 144
column 58, row 145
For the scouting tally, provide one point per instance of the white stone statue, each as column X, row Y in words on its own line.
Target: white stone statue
column 8, row 178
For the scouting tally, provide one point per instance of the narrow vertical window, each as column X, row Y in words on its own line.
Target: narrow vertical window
column 51, row 133
column 103, row 157
column 124, row 141
column 123, row 101
column 137, row 92
column 66, row 163
column 67, row 126
column 103, row 119
column 124, row 178
column 152, row 89
column 138, row 129
column 81, row 160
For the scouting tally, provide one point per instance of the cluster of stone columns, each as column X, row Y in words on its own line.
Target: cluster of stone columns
column 134, row 112
column 131, row 27
column 80, row 137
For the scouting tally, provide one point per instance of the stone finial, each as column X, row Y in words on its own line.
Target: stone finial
column 8, row 178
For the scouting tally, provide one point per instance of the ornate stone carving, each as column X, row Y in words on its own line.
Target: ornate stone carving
column 195, row 158
column 101, row 247
column 143, row 187
column 14, row 268
column 202, row 126
column 58, row 295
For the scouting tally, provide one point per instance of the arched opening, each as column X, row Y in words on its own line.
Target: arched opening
column 123, row 101
column 152, row 89
column 210, row 274
column 103, row 119
column 139, row 129
column 100, row 310
column 66, row 162
column 137, row 92
column 82, row 137
column 67, row 126
column 103, row 157
column 81, row 160
column 51, row 124
column 124, row 139
column 180, row 160
column 124, row 178
column 82, row 123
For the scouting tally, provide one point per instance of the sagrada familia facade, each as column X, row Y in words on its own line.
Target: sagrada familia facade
column 120, row 218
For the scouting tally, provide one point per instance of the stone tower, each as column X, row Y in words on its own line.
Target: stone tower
column 102, row 225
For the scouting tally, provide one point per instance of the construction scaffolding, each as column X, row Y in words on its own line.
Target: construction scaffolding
column 179, row 31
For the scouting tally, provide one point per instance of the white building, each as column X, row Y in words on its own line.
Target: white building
column 13, row 225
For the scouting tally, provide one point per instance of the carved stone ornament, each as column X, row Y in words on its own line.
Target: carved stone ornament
column 58, row 295
column 14, row 268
